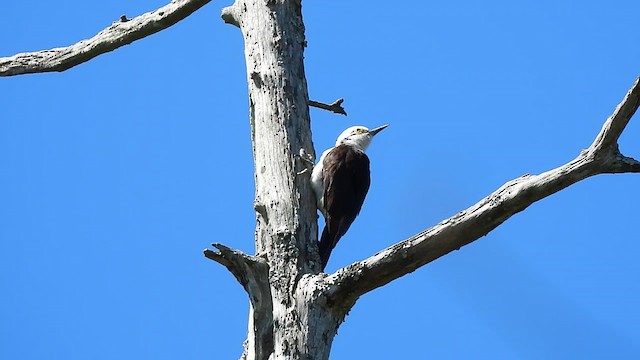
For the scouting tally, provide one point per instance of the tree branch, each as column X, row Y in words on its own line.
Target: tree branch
column 244, row 267
column 615, row 124
column 120, row 33
column 603, row 156
column 335, row 107
column 252, row 272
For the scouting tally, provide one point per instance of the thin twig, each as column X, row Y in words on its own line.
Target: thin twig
column 335, row 107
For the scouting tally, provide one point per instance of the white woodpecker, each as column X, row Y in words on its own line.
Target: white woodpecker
column 340, row 181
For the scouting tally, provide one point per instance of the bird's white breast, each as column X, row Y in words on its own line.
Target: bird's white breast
column 317, row 181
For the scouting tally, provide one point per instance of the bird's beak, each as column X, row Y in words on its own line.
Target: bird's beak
column 378, row 129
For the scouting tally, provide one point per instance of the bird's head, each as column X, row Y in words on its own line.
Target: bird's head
column 358, row 136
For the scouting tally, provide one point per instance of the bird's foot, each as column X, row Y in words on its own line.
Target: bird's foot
column 307, row 161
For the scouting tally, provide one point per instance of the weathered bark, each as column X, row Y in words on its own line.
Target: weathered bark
column 122, row 32
column 602, row 157
column 294, row 325
column 306, row 308
column 323, row 300
column 295, row 310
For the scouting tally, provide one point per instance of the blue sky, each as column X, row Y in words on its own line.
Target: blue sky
column 118, row 172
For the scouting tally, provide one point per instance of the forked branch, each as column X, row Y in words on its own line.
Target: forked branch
column 120, row 33
column 603, row 156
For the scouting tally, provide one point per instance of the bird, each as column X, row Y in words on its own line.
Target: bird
column 340, row 182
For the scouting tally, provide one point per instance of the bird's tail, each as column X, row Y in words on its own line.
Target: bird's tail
column 327, row 242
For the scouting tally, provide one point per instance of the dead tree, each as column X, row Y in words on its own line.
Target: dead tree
column 295, row 310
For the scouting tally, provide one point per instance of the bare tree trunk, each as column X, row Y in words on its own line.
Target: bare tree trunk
column 295, row 310
column 287, row 322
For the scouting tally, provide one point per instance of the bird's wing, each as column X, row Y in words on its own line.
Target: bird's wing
column 346, row 183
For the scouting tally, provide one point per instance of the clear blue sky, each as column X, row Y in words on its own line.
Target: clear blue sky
column 117, row 173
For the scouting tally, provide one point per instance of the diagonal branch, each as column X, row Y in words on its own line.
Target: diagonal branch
column 335, row 107
column 603, row 156
column 120, row 33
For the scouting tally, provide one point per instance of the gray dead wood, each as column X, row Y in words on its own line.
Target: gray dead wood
column 602, row 157
column 334, row 107
column 122, row 32
column 308, row 306
column 294, row 310
column 286, row 230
